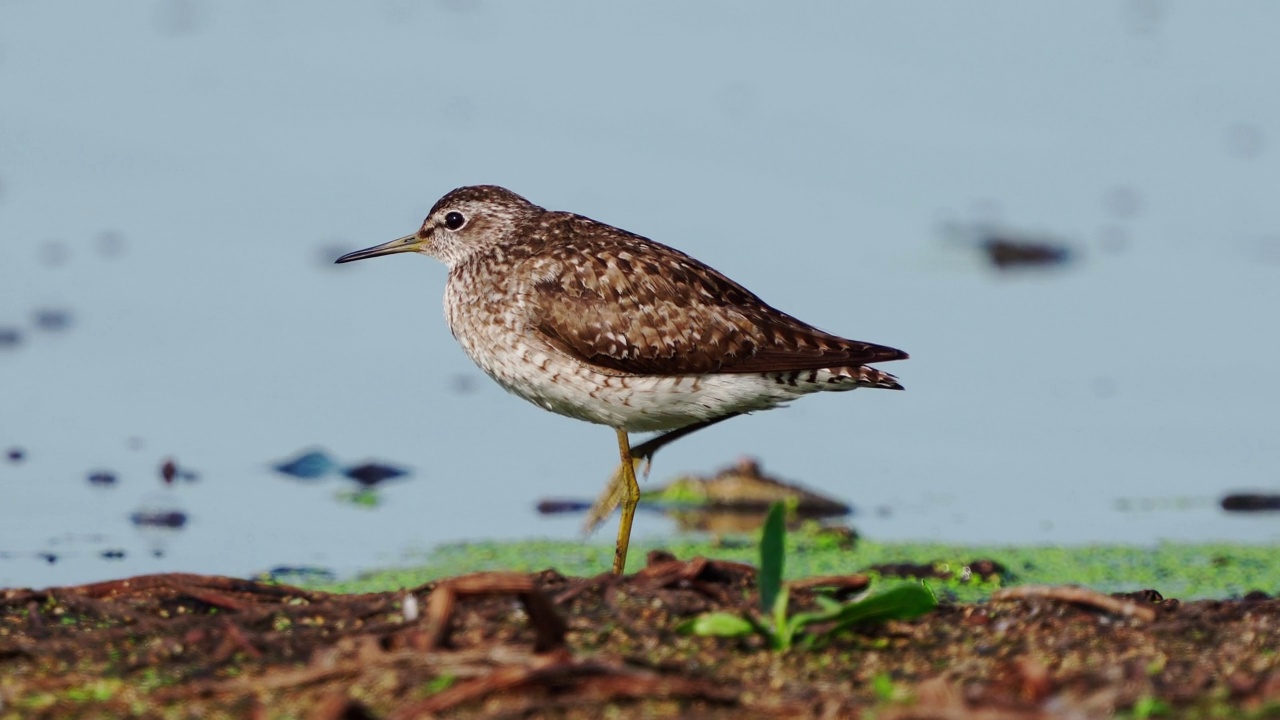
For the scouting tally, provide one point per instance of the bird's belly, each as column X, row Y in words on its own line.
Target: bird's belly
column 545, row 376
column 637, row 403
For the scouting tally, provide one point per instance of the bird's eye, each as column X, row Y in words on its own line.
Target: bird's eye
column 454, row 220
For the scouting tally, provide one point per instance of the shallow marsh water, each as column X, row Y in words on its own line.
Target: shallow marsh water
column 176, row 178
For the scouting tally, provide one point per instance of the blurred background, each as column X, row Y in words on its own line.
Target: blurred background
column 1066, row 212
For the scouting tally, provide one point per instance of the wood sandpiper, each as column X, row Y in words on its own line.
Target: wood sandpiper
column 603, row 325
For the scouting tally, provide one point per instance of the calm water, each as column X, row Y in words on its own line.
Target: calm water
column 176, row 178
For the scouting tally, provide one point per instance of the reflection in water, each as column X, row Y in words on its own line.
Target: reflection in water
column 315, row 464
column 735, row 500
column 364, row 497
column 158, row 522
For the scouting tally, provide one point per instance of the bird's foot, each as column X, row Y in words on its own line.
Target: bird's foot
column 613, row 494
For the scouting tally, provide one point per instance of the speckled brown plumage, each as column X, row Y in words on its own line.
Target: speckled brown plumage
column 600, row 324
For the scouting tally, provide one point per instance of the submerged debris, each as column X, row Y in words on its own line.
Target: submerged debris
column 102, row 478
column 52, row 319
column 556, row 506
column 1250, row 502
column 1009, row 249
column 307, row 466
column 744, row 487
column 10, row 337
column 371, row 474
column 175, row 519
column 170, row 471
column 300, row 574
column 734, row 500
column 1006, row 253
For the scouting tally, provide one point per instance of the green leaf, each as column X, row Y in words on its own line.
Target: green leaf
column 800, row 620
column 773, row 547
column 882, row 686
column 830, row 605
column 717, row 624
column 899, row 603
column 782, row 629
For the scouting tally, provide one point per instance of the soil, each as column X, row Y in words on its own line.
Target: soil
column 547, row 646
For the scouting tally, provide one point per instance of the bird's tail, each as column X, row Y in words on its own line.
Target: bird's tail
column 865, row 376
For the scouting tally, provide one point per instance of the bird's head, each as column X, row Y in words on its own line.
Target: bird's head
column 462, row 222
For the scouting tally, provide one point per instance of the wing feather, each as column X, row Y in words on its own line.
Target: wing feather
column 634, row 306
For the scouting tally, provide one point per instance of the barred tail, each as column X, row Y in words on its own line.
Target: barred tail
column 864, row 376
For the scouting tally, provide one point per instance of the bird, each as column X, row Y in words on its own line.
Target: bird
column 597, row 323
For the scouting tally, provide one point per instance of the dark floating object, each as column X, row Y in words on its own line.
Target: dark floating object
column 307, row 466
column 10, row 337
column 102, row 478
column 112, row 554
column 555, row 506
column 48, row 557
column 292, row 574
column 53, row 319
column 370, row 474
column 170, row 471
column 175, row 519
column 1250, row 502
column 16, row 455
column 1005, row 252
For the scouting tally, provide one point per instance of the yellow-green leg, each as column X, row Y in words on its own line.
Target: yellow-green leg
column 622, row 484
column 630, row 498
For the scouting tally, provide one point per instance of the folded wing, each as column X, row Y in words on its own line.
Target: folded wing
column 635, row 306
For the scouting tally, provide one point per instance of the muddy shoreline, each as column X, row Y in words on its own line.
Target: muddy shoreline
column 545, row 645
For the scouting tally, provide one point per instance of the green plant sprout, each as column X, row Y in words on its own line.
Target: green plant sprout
column 781, row 630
